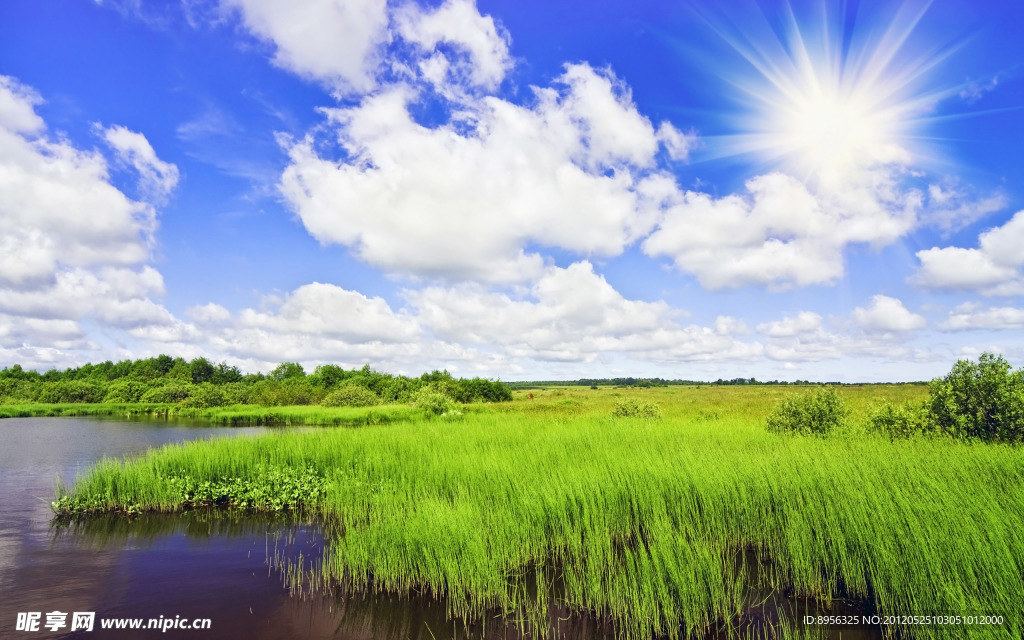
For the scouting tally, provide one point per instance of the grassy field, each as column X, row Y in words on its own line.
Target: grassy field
column 665, row 526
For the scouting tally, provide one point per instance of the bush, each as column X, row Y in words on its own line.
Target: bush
column 14, row 391
column 351, row 395
column 817, row 413
column 435, row 402
column 71, row 391
column 125, row 390
column 204, row 396
column 983, row 400
column 633, row 408
column 899, row 422
column 174, row 392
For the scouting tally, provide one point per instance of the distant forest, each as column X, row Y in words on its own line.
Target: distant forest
column 661, row 382
column 199, row 383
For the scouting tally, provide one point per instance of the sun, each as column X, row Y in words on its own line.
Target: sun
column 828, row 131
column 825, row 98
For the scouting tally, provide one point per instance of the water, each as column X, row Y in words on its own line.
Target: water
column 194, row 566
column 214, row 565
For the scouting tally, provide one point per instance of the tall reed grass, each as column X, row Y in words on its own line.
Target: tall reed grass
column 526, row 507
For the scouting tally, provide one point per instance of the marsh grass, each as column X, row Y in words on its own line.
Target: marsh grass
column 40, row 410
column 539, row 504
column 235, row 416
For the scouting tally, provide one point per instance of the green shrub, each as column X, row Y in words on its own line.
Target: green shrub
column 435, row 402
column 899, row 422
column 634, row 408
column 173, row 392
column 14, row 391
column 71, row 391
column 351, row 395
column 983, row 400
column 125, row 390
column 817, row 413
column 204, row 396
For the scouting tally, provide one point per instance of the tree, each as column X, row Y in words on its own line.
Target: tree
column 287, row 371
column 202, row 370
column 983, row 399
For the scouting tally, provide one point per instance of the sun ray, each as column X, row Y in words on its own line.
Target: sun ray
column 834, row 93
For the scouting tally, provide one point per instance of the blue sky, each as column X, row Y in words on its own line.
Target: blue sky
column 805, row 190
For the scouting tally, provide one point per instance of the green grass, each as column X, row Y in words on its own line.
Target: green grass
column 237, row 415
column 40, row 410
column 553, row 498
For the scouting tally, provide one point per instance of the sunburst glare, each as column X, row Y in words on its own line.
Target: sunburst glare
column 834, row 92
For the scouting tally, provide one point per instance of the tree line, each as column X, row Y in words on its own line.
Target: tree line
column 200, row 383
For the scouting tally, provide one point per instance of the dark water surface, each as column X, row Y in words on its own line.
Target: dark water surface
column 213, row 565
column 187, row 567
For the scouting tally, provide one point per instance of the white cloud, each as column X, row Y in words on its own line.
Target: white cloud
column 728, row 325
column 330, row 311
column 678, row 144
column 803, row 337
column 72, row 246
column 17, row 107
column 316, row 322
column 571, row 315
column 802, row 323
column 973, row 90
column 156, row 178
column 781, row 234
column 887, row 314
column 969, row 316
column 951, row 208
column 465, row 200
column 63, row 334
column 332, row 41
column 458, row 23
column 208, row 314
column 56, row 205
column 994, row 267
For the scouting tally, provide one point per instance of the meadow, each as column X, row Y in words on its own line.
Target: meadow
column 670, row 527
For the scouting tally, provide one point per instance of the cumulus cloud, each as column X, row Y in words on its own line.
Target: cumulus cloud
column 994, row 267
column 804, row 337
column 330, row 311
column 345, row 44
column 72, row 246
column 316, row 322
column 57, row 205
column 457, row 23
column 332, row 41
column 971, row 316
column 802, row 323
column 779, row 233
column 464, row 200
column 952, row 208
column 16, row 331
column 572, row 315
column 569, row 316
column 156, row 178
column 887, row 314
column 17, row 107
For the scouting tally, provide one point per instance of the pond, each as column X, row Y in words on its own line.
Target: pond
column 201, row 565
